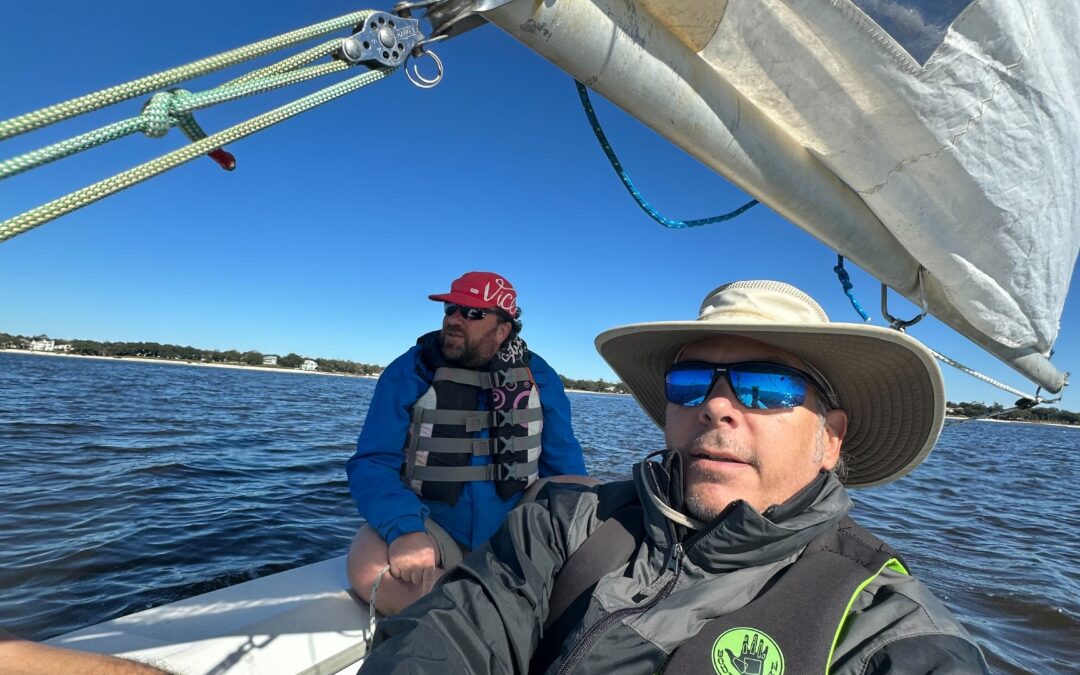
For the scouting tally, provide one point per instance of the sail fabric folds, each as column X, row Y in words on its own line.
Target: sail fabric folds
column 942, row 134
column 970, row 159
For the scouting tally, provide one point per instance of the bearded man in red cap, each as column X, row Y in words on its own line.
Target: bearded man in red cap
column 459, row 427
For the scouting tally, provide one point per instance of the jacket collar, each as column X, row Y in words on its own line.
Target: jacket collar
column 741, row 536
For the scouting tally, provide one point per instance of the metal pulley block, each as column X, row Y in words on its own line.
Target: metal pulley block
column 382, row 40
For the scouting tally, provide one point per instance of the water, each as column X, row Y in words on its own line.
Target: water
column 127, row 485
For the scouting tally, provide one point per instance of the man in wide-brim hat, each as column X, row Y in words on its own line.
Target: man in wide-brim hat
column 732, row 551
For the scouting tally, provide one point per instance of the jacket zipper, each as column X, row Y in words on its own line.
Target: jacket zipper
column 586, row 641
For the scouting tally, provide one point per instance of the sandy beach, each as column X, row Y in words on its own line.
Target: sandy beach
column 181, row 362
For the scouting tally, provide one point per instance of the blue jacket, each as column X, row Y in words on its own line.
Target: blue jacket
column 393, row 509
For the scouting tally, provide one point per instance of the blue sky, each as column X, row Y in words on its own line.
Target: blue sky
column 336, row 225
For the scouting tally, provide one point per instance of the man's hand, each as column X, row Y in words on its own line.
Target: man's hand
column 413, row 559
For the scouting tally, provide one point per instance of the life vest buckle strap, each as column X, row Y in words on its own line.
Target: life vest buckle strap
column 502, row 444
column 475, row 422
column 501, row 378
column 503, row 472
column 520, row 471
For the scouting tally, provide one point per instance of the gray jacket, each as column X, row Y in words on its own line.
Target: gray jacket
column 486, row 615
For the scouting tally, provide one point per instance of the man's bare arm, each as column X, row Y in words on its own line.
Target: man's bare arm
column 23, row 657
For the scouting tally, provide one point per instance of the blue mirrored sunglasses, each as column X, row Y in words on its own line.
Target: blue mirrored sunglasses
column 470, row 313
column 756, row 384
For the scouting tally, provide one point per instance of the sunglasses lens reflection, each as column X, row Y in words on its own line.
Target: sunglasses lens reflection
column 688, row 387
column 763, row 386
column 767, row 388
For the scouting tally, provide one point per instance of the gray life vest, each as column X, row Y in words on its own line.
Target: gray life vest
column 503, row 401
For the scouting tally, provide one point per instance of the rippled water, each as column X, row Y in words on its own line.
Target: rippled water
column 127, row 485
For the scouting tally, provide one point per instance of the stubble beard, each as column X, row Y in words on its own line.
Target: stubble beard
column 695, row 502
column 695, row 491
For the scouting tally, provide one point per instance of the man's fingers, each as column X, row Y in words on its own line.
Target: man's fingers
column 409, row 562
column 428, row 580
column 416, row 575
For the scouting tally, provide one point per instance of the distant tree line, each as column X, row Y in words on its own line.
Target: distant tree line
column 155, row 350
column 1036, row 414
column 595, row 385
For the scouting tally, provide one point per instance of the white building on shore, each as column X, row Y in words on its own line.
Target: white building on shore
column 309, row 364
column 47, row 345
column 270, row 360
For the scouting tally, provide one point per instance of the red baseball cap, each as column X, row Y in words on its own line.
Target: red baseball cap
column 481, row 290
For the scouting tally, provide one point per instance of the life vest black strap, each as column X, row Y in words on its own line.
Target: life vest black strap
column 608, row 548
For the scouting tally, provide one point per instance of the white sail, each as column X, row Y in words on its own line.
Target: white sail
column 906, row 134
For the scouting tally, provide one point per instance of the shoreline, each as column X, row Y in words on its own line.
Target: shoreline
column 586, row 391
column 235, row 366
column 182, row 362
column 271, row 369
column 991, row 419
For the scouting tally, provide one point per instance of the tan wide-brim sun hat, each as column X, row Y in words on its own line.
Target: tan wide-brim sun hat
column 888, row 382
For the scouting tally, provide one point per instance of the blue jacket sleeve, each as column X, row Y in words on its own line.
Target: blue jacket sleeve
column 562, row 455
column 374, row 480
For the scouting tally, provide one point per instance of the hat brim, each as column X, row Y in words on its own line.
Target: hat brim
column 463, row 299
column 887, row 382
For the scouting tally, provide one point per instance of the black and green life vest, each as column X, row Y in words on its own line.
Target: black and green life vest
column 501, row 399
column 791, row 626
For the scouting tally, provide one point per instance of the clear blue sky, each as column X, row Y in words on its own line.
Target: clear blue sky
column 336, row 225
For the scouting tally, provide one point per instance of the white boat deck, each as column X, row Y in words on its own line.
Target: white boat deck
column 299, row 621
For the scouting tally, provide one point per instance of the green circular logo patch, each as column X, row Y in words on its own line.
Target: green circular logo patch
column 746, row 651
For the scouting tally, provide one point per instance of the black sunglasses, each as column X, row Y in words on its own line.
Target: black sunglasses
column 755, row 384
column 470, row 313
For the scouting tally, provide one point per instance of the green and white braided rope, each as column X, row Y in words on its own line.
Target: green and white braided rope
column 90, row 194
column 293, row 62
column 167, row 78
column 164, row 111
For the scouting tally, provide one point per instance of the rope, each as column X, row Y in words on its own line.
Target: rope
column 583, row 94
column 121, row 181
column 979, row 376
column 1025, row 401
column 122, row 92
column 295, row 61
column 164, row 111
column 373, row 621
column 845, row 281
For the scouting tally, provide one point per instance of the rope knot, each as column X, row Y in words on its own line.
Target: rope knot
column 158, row 113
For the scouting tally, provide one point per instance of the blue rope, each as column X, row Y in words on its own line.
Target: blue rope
column 845, row 281
column 583, row 93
